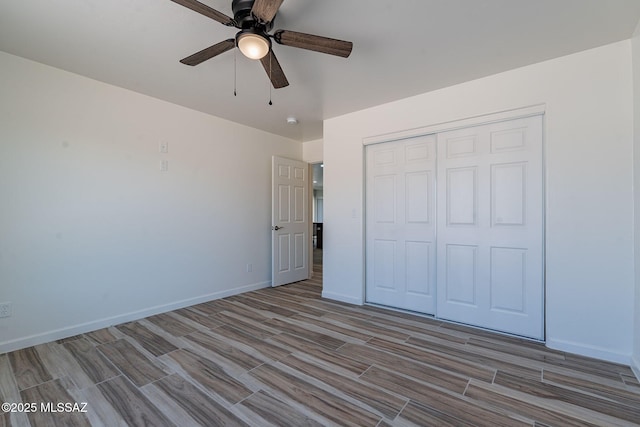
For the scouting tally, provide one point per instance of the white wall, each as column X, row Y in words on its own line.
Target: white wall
column 636, row 159
column 92, row 233
column 589, row 212
column 312, row 151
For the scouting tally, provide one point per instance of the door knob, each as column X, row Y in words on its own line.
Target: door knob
column 277, row 228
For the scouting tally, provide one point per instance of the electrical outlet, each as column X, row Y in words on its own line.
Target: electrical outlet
column 164, row 165
column 5, row 309
column 249, row 268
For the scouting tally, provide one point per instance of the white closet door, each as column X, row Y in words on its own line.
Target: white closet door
column 400, row 224
column 490, row 227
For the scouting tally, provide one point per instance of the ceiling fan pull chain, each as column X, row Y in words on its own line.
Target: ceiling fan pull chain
column 270, row 90
column 235, row 72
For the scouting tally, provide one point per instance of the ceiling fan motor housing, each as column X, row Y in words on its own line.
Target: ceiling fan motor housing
column 242, row 15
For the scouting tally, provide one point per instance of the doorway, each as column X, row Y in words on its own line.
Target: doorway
column 318, row 214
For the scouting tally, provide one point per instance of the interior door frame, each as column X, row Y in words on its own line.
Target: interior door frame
column 484, row 119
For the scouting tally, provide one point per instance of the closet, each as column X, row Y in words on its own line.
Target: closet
column 454, row 225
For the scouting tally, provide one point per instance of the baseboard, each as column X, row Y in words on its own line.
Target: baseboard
column 589, row 351
column 70, row 331
column 342, row 298
column 635, row 367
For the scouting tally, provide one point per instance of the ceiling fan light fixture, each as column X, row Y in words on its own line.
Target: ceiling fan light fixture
column 254, row 19
column 253, row 45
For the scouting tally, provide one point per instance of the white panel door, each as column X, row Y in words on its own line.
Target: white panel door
column 290, row 216
column 490, row 227
column 400, row 224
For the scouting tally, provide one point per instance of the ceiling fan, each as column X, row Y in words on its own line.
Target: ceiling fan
column 254, row 19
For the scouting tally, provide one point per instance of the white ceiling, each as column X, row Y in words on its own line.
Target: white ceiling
column 401, row 48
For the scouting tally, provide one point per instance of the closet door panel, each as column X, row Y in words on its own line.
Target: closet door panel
column 490, row 227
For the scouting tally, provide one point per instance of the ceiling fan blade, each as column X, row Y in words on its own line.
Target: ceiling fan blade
column 265, row 10
column 205, row 10
column 209, row 52
column 317, row 43
column 274, row 71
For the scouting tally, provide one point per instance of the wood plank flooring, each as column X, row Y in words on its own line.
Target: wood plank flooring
column 287, row 357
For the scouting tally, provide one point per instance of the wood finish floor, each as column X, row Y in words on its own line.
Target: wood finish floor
column 285, row 356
